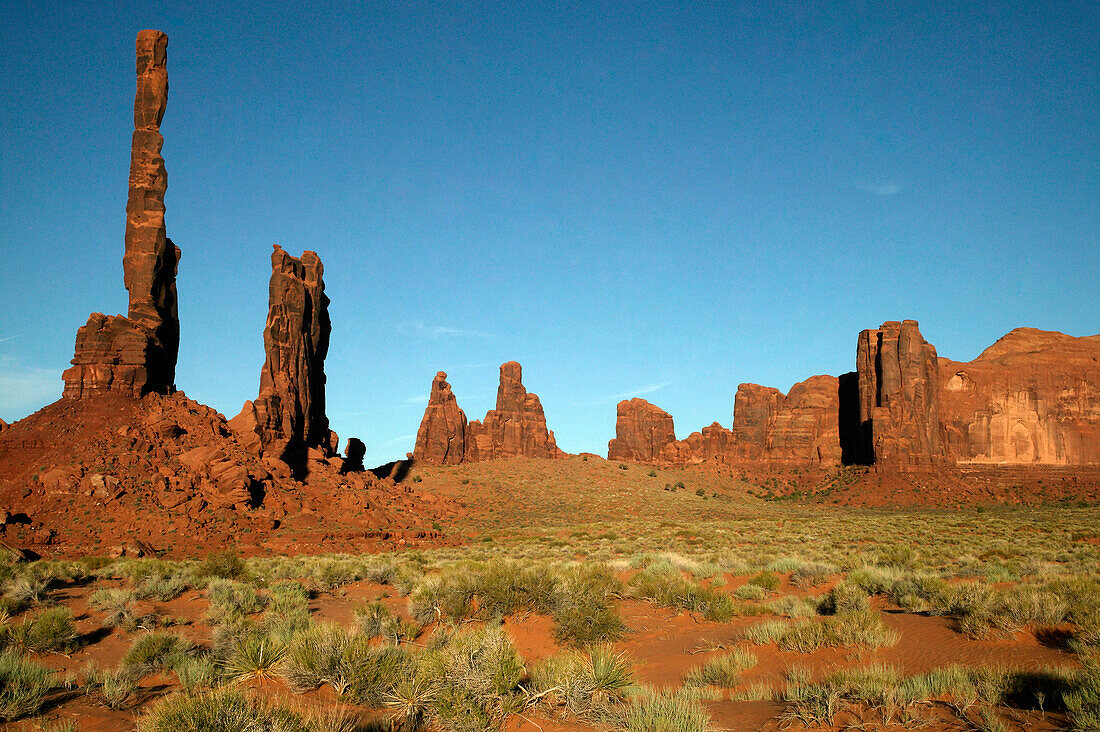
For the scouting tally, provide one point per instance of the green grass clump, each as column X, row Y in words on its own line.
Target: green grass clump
column 51, row 631
column 724, row 670
column 845, row 597
column 860, row 628
column 675, row 590
column 591, row 684
column 654, row 711
column 221, row 710
column 230, row 599
column 23, row 686
column 157, row 651
column 770, row 581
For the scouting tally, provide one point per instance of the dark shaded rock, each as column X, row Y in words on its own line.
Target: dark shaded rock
column 441, row 439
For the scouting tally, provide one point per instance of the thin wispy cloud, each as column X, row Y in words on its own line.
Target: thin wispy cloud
column 5, row 339
column 647, row 389
column 439, row 331
column 402, row 438
column 881, row 187
column 423, row 399
column 23, row 389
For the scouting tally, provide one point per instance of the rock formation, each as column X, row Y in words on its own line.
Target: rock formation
column 517, row 427
column 289, row 413
column 3, row 425
column 805, row 428
column 136, row 354
column 712, row 444
column 1032, row 397
column 898, row 396
column 642, row 432
column 754, row 410
column 441, row 439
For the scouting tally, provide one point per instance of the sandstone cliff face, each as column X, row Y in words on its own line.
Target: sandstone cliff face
column 642, row 432
column 898, row 396
column 136, row 354
column 441, row 439
column 290, row 408
column 805, row 428
column 754, row 411
column 517, row 427
column 1032, row 397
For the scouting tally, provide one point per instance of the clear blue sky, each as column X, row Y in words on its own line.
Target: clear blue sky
column 664, row 201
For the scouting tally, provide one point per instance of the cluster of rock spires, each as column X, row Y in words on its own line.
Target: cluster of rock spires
column 1032, row 397
column 517, row 427
column 134, row 355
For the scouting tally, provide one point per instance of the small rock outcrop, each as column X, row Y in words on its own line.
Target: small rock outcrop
column 642, row 432
column 136, row 354
column 289, row 413
column 898, row 396
column 441, row 439
column 517, row 427
column 1033, row 397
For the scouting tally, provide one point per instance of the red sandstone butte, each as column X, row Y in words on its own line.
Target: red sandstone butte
column 806, row 425
column 754, row 410
column 289, row 413
column 517, row 427
column 441, row 439
column 899, row 396
column 642, row 432
column 136, row 354
column 1033, row 397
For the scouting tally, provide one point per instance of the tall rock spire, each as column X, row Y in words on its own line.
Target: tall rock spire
column 136, row 354
column 290, row 410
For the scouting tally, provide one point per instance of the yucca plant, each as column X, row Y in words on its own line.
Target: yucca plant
column 254, row 658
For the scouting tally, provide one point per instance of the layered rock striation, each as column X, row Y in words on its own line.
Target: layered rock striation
column 1033, row 397
column 643, row 433
column 516, row 428
column 136, row 354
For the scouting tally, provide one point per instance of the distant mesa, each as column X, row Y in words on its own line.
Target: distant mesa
column 1031, row 398
column 136, row 354
column 516, row 428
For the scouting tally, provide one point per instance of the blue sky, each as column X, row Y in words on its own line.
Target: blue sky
column 662, row 199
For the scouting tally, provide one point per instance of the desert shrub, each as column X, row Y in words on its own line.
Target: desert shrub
column 367, row 673
column 113, row 689
column 23, row 686
column 723, row 670
column 654, row 711
column 811, row 574
column 581, row 606
column 220, row 710
column 231, row 599
column 332, row 574
column 254, row 657
column 1082, row 697
column 678, row 591
column 859, row 628
column 844, row 597
column 442, row 596
column 372, row 618
column 164, row 587
column 476, row 677
column 196, row 672
column 816, row 703
column 223, row 565
column 51, row 631
column 769, row 581
column 590, row 684
column 751, row 592
column 287, row 610
column 115, row 604
column 157, row 651
column 792, row 606
column 314, row 656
